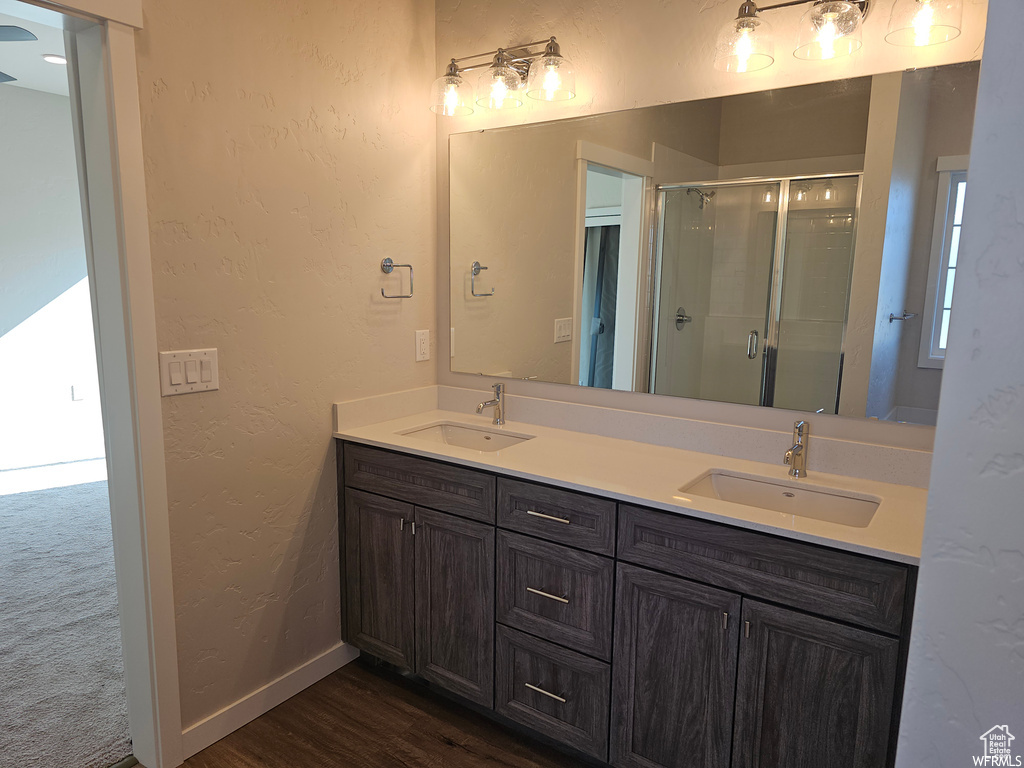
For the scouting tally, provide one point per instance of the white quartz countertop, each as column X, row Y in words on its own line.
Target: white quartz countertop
column 652, row 476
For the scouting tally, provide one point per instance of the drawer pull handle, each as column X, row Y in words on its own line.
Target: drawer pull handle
column 549, row 517
column 547, row 595
column 541, row 690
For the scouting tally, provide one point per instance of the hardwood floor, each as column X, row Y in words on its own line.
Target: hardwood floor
column 358, row 719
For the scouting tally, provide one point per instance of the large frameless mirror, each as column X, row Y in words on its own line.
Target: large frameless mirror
column 794, row 248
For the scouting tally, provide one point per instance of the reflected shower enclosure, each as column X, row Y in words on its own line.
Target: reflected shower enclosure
column 753, row 288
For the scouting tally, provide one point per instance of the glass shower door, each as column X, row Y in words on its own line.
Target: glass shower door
column 717, row 249
column 817, row 265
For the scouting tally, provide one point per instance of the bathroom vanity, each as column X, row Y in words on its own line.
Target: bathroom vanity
column 635, row 625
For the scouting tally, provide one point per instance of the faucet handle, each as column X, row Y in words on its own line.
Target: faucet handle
column 800, row 429
column 498, row 389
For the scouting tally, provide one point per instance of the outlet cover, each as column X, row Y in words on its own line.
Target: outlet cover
column 185, row 371
column 563, row 329
column 422, row 346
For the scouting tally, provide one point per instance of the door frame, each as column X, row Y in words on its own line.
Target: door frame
column 118, row 251
column 586, row 154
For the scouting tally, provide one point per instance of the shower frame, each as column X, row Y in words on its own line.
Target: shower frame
column 770, row 349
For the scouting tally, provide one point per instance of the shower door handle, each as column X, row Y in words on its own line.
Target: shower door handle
column 752, row 345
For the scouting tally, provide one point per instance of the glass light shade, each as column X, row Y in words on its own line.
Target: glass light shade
column 830, row 29
column 499, row 87
column 551, row 78
column 451, row 96
column 745, row 44
column 925, row 22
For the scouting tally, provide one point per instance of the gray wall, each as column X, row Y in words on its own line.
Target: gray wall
column 42, row 248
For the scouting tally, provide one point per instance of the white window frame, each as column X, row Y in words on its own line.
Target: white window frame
column 952, row 170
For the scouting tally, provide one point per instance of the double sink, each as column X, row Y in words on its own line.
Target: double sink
column 788, row 497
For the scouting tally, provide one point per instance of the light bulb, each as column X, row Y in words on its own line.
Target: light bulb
column 827, row 36
column 552, row 82
column 744, row 49
column 768, row 196
column 923, row 20
column 830, row 191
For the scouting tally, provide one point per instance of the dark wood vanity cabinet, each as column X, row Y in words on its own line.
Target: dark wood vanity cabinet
column 674, row 671
column 419, row 589
column 642, row 638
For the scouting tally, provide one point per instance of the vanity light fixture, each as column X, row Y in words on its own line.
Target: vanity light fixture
column 925, row 22
column 830, row 29
column 507, row 74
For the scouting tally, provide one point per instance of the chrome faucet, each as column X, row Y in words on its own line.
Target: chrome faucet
column 796, row 457
column 498, row 402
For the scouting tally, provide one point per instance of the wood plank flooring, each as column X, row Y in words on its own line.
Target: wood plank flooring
column 357, row 718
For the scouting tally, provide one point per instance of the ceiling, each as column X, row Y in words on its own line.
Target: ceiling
column 24, row 60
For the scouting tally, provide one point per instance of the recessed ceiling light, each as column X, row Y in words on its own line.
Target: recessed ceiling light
column 54, row 58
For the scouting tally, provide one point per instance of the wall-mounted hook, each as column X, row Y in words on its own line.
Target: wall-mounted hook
column 387, row 266
column 905, row 316
column 475, row 270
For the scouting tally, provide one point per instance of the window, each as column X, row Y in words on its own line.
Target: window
column 949, row 215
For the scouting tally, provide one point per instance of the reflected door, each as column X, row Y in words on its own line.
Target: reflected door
column 816, row 267
column 717, row 250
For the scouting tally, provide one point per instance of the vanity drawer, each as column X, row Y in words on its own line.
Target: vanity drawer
column 840, row 585
column 558, row 593
column 427, row 483
column 563, row 516
column 572, row 702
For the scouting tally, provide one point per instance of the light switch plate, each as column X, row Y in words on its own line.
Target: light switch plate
column 422, row 346
column 188, row 370
column 563, row 329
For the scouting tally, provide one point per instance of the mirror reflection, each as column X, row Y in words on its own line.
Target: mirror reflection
column 793, row 248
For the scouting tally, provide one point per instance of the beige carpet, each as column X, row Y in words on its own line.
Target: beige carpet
column 62, row 697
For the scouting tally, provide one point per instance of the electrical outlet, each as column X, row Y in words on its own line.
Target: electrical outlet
column 422, row 346
column 563, row 329
column 188, row 370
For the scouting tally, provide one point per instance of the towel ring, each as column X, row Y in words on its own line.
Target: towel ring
column 387, row 266
column 475, row 270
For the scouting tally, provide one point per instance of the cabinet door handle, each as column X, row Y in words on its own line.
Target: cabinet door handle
column 541, row 690
column 725, row 620
column 401, row 523
column 746, row 629
column 547, row 595
column 549, row 517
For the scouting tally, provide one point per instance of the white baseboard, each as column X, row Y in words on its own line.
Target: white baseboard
column 199, row 736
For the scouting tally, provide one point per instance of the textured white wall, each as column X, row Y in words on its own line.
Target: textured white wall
column 288, row 150
column 631, row 53
column 966, row 671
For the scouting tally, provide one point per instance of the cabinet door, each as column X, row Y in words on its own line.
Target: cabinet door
column 811, row 693
column 379, row 576
column 674, row 672
column 455, row 604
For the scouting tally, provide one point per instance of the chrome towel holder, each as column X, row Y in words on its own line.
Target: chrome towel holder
column 906, row 316
column 387, row 266
column 475, row 270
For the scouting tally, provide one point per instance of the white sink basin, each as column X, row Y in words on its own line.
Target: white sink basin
column 791, row 498
column 467, row 436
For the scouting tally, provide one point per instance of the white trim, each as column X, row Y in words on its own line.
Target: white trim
column 953, row 163
column 947, row 167
column 612, row 158
column 127, row 12
column 108, row 135
column 212, row 729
